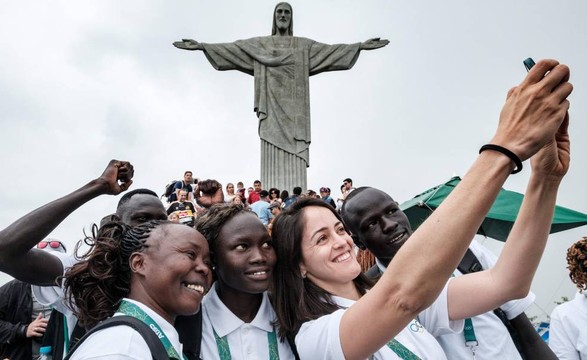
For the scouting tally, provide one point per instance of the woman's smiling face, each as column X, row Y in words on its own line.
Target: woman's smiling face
column 243, row 254
column 328, row 256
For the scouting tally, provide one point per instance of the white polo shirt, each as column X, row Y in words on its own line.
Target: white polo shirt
column 123, row 342
column 494, row 339
column 320, row 338
column 568, row 329
column 245, row 340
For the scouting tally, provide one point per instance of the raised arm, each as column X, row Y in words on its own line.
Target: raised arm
column 19, row 258
column 208, row 193
column 512, row 275
column 188, row 44
column 531, row 116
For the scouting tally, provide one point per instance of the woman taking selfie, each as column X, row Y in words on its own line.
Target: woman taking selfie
column 324, row 303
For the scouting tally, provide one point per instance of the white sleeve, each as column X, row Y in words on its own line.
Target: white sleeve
column 54, row 295
column 435, row 318
column 512, row 308
column 320, row 338
column 559, row 339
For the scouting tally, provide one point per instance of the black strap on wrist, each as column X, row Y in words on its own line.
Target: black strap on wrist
column 513, row 157
column 21, row 332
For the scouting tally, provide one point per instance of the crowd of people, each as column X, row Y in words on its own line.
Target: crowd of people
column 225, row 273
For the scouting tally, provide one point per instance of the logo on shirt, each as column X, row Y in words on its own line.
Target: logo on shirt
column 416, row 327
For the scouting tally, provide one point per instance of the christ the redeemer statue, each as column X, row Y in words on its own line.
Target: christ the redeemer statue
column 282, row 64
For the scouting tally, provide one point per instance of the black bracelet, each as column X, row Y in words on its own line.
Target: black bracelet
column 507, row 153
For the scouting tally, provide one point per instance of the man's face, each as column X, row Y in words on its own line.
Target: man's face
column 188, row 177
column 283, row 16
column 183, row 195
column 141, row 208
column 378, row 222
column 257, row 186
column 347, row 185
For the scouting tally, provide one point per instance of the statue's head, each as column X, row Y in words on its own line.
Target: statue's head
column 282, row 19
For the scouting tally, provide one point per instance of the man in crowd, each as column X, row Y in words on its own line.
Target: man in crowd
column 254, row 196
column 183, row 209
column 185, row 184
column 297, row 191
column 325, row 196
column 275, row 208
column 345, row 189
column 261, row 207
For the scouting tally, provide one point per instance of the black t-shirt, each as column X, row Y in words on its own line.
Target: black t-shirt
column 184, row 210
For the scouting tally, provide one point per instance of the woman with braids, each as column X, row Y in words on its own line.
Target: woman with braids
column 238, row 319
column 327, row 306
column 568, row 321
column 154, row 272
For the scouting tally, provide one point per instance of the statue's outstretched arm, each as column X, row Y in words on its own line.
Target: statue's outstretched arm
column 188, row 44
column 374, row 43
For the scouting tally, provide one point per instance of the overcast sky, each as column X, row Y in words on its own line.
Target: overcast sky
column 87, row 81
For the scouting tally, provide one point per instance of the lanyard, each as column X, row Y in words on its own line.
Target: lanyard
column 401, row 351
column 224, row 348
column 131, row 309
column 470, row 338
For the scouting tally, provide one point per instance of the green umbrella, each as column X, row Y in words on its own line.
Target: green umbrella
column 501, row 216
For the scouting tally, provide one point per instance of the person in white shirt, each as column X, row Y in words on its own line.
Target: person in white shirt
column 568, row 321
column 20, row 258
column 316, row 262
column 378, row 224
column 238, row 319
column 154, row 272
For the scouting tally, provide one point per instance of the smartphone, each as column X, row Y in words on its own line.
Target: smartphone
column 529, row 63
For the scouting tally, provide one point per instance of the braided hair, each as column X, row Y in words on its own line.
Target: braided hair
column 577, row 263
column 96, row 284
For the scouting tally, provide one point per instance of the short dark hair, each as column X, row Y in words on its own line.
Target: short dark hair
column 263, row 193
column 349, row 180
column 215, row 218
column 345, row 216
column 186, row 172
column 126, row 197
column 297, row 190
column 257, row 182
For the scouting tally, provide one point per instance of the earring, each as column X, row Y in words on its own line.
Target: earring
column 303, row 275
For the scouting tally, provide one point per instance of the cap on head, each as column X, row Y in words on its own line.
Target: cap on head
column 274, row 205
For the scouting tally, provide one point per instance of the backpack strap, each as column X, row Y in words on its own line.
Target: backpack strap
column 156, row 347
column 469, row 263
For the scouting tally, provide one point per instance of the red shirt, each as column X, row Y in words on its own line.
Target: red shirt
column 254, row 197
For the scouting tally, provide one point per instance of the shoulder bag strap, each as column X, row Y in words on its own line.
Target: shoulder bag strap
column 155, row 345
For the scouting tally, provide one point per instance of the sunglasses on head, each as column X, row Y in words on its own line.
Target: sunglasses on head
column 52, row 244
